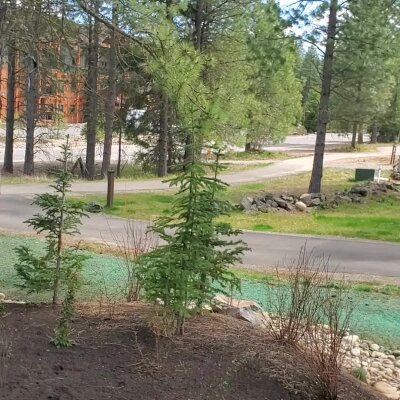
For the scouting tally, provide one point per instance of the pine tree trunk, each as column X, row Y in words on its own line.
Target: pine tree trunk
column 354, row 135
column 323, row 116
column 197, row 39
column 8, row 166
column 170, row 161
column 162, row 168
column 31, row 108
column 374, row 134
column 91, row 97
column 189, row 151
column 198, row 24
column 360, row 137
column 110, row 101
column 249, row 145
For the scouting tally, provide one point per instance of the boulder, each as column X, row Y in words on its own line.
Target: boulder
column 356, row 352
column 360, row 190
column 289, row 207
column 246, row 203
column 94, row 207
column 2, row 297
column 242, row 309
column 343, row 199
column 259, row 202
column 315, row 202
column 389, row 391
column 300, row 206
column 281, row 203
column 306, row 198
column 265, row 208
column 288, row 199
column 374, row 347
column 350, row 340
column 377, row 354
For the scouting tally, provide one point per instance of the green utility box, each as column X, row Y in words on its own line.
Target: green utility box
column 364, row 174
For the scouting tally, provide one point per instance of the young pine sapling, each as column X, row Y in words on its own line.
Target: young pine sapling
column 193, row 264
column 58, row 268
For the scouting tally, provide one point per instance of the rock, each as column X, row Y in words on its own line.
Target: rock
column 274, row 204
column 364, row 345
column 300, row 206
column 356, row 352
column 94, row 207
column 265, row 208
column 376, row 364
column 246, row 203
column 290, row 207
column 343, row 199
column 2, row 297
column 364, row 363
column 315, row 202
column 259, row 202
column 268, row 196
column 388, row 371
column 396, row 353
column 281, row 203
column 289, row 199
column 389, row 391
column 351, row 340
column 306, row 198
column 242, row 309
column 360, row 190
column 374, row 347
column 377, row 354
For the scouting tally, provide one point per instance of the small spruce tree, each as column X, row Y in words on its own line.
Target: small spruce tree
column 194, row 263
column 58, row 268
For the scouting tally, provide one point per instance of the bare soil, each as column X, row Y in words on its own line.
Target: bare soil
column 118, row 357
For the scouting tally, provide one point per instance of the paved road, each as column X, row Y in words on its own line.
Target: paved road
column 277, row 169
column 350, row 256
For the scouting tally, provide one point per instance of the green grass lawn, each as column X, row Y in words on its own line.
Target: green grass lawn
column 379, row 220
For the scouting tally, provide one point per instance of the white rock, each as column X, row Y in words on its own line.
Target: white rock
column 389, row 371
column 377, row 354
column 374, row 347
column 364, row 363
column 376, row 364
column 2, row 297
column 300, row 206
column 386, row 361
column 356, row 352
column 351, row 340
column 389, row 391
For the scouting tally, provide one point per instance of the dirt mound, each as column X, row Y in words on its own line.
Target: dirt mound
column 119, row 358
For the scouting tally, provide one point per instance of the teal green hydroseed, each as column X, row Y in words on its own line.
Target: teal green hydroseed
column 376, row 317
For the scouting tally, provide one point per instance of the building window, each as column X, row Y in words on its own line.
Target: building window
column 60, row 108
column 72, row 109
